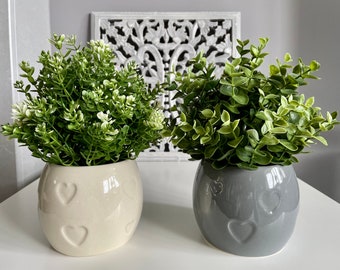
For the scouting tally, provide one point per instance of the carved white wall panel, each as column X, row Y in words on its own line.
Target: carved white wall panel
column 159, row 42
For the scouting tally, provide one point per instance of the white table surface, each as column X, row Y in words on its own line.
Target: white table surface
column 167, row 236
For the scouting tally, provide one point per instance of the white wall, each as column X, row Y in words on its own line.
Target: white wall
column 318, row 37
column 24, row 31
column 261, row 18
column 32, row 32
column 7, row 148
column 317, row 34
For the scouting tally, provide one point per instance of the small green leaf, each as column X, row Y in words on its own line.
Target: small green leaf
column 225, row 117
column 329, row 117
column 238, row 81
column 205, row 139
column 218, row 165
column 294, row 117
column 263, row 41
column 288, row 145
column 210, row 151
column 278, row 130
column 273, row 70
column 207, row 113
column 252, row 84
column 283, row 71
column 234, row 143
column 275, row 148
column 247, row 166
column 309, row 102
column 271, row 96
column 195, row 136
column 284, row 101
column 198, row 67
column 225, row 130
column 232, row 107
column 282, row 111
column 314, row 65
column 226, row 90
column 269, row 139
column 297, row 69
column 172, row 86
column 256, row 62
column 234, row 124
column 228, row 68
column 254, row 51
column 262, row 158
column 226, row 155
column 199, row 130
column 185, row 127
column 309, row 76
column 321, row 139
column 241, row 97
column 264, row 115
column 236, row 62
column 288, row 58
column 248, row 72
column 244, row 153
column 215, row 139
column 183, row 117
column 252, row 133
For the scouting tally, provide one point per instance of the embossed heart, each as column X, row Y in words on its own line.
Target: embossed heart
column 216, row 187
column 129, row 226
column 241, row 231
column 74, row 235
column 66, row 192
column 270, row 201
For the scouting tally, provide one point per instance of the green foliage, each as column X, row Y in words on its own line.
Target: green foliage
column 80, row 110
column 244, row 118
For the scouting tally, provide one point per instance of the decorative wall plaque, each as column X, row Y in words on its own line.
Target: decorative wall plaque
column 163, row 41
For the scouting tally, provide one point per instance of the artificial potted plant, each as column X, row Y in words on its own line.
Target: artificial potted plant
column 88, row 121
column 246, row 128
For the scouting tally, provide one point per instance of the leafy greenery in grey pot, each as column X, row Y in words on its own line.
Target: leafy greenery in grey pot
column 244, row 118
column 80, row 110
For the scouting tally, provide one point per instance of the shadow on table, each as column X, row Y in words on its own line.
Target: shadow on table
column 21, row 225
column 177, row 220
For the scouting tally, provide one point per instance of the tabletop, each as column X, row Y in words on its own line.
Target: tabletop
column 167, row 236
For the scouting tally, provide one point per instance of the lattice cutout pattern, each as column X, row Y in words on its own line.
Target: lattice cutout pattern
column 159, row 42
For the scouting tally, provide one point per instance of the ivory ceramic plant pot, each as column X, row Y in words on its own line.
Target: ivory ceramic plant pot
column 89, row 210
column 247, row 213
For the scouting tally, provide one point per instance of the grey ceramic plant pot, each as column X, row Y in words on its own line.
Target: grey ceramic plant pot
column 247, row 213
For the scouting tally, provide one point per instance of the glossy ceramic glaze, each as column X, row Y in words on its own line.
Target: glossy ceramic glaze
column 248, row 213
column 86, row 211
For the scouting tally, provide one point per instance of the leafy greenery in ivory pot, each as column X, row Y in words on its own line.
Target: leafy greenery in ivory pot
column 81, row 110
column 244, row 118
